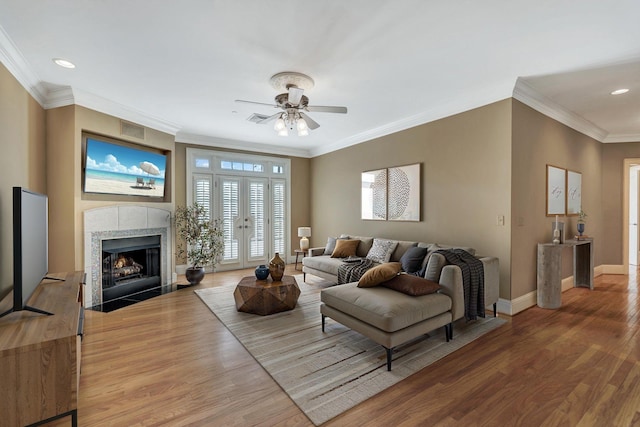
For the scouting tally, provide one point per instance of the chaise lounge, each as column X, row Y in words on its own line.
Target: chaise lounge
column 390, row 317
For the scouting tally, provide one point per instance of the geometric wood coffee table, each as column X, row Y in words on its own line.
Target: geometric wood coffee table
column 265, row 297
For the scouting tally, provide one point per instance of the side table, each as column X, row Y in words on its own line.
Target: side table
column 265, row 297
column 298, row 252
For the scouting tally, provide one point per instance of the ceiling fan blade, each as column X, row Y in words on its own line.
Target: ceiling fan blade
column 256, row 103
column 312, row 124
column 295, row 95
column 268, row 119
column 326, row 109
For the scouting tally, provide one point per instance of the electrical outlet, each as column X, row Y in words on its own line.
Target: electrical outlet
column 500, row 220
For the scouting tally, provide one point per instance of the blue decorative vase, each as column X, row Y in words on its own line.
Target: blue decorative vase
column 580, row 228
column 262, row 272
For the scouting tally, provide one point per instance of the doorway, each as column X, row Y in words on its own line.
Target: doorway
column 631, row 216
column 250, row 195
column 243, row 210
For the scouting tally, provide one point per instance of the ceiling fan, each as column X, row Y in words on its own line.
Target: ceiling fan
column 294, row 104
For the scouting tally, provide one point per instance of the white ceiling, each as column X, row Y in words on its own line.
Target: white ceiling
column 179, row 66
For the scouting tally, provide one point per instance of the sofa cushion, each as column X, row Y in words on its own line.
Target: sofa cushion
column 384, row 308
column 378, row 274
column 434, row 267
column 323, row 263
column 331, row 245
column 412, row 259
column 363, row 247
column 381, row 250
column 403, row 246
column 345, row 248
column 412, row 285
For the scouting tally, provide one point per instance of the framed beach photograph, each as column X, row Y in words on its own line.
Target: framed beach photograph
column 403, row 193
column 556, row 190
column 574, row 192
column 374, row 195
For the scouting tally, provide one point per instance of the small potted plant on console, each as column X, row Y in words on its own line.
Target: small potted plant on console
column 199, row 238
column 581, row 220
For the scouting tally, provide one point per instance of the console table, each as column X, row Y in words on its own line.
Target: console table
column 40, row 354
column 550, row 270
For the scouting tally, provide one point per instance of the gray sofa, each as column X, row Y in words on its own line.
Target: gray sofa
column 391, row 318
column 321, row 264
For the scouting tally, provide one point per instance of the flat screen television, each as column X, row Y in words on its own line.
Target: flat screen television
column 30, row 246
column 123, row 169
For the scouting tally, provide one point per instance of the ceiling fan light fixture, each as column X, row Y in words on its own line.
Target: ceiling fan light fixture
column 301, row 124
column 303, row 132
column 283, row 132
column 279, row 124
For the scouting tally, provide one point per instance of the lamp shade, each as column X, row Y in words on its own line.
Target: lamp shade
column 304, row 232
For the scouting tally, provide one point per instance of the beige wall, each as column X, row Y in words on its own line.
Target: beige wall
column 612, row 199
column 64, row 136
column 476, row 166
column 466, row 184
column 300, row 188
column 537, row 141
column 22, row 141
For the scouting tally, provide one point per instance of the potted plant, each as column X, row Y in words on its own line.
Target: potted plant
column 581, row 220
column 201, row 240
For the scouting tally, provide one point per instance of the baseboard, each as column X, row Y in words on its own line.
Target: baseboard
column 612, row 269
column 523, row 302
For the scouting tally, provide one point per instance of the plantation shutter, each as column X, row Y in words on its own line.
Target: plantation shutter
column 257, row 214
column 278, row 207
column 230, row 215
column 203, row 193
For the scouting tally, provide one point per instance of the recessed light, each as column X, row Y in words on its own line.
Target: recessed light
column 64, row 63
column 619, row 91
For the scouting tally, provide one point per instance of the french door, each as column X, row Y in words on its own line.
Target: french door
column 243, row 209
column 249, row 195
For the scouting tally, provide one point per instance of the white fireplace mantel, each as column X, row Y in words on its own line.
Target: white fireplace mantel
column 114, row 222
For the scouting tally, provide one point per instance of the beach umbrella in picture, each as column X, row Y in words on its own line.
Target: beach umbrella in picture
column 149, row 168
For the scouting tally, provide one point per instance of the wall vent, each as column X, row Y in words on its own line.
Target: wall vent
column 130, row 129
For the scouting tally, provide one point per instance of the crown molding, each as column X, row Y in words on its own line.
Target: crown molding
column 106, row 106
column 59, row 97
column 529, row 96
column 622, row 138
column 232, row 144
column 13, row 60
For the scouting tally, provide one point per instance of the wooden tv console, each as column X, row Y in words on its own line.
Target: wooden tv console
column 40, row 354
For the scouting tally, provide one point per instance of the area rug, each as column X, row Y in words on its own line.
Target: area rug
column 328, row 373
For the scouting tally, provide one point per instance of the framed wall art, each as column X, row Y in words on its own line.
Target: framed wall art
column 403, row 193
column 574, row 192
column 556, row 190
column 374, row 195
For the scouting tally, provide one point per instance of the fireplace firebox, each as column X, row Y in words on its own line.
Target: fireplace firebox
column 131, row 267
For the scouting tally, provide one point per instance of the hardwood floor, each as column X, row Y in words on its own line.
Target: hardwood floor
column 169, row 361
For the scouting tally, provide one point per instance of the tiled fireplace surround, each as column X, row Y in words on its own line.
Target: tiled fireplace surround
column 115, row 222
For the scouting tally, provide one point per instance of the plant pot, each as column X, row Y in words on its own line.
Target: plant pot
column 580, row 228
column 194, row 275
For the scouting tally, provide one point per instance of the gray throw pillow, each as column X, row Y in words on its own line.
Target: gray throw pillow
column 434, row 267
column 412, row 259
column 331, row 245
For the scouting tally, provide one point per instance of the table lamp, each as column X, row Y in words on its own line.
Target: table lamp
column 304, row 232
